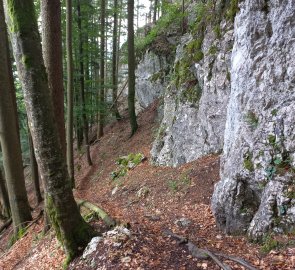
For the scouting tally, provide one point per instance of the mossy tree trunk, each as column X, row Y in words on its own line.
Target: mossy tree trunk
column 72, row 231
column 131, row 68
column 9, row 137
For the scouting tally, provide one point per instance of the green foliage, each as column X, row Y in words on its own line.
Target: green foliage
column 192, row 94
column 173, row 185
column 15, row 237
column 212, row 50
column 171, row 17
column 232, row 10
column 252, row 119
column 248, row 163
column 269, row 243
column 127, row 163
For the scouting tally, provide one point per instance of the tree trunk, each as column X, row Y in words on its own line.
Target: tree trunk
column 71, row 230
column 9, row 136
column 4, row 200
column 52, row 55
column 70, row 93
column 131, row 68
column 82, row 86
column 114, row 63
column 102, row 69
column 34, row 170
column 155, row 11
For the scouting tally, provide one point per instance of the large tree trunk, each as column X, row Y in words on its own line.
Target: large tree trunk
column 82, row 86
column 52, row 55
column 4, row 200
column 102, row 69
column 131, row 68
column 9, row 136
column 114, row 63
column 70, row 93
column 72, row 231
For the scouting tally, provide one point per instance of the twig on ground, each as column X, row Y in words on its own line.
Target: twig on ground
column 200, row 253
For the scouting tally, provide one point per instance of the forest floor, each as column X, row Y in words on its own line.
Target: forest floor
column 150, row 200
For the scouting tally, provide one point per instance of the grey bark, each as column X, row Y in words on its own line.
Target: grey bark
column 131, row 68
column 9, row 137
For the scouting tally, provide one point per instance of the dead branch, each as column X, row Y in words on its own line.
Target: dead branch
column 5, row 225
column 100, row 212
column 200, row 253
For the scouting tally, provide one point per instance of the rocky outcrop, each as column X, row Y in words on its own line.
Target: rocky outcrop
column 256, row 193
column 196, row 99
column 151, row 78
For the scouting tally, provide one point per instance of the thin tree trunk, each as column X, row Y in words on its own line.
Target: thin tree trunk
column 34, row 170
column 9, row 137
column 70, row 95
column 131, row 68
column 72, row 231
column 82, row 86
column 102, row 69
column 52, row 55
column 4, row 200
column 155, row 11
column 114, row 63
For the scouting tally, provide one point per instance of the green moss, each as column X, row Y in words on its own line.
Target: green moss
column 22, row 16
column 274, row 112
column 228, row 76
column 192, row 94
column 271, row 139
column 232, row 10
column 248, row 163
column 182, row 72
column 252, row 119
column 217, row 31
column 198, row 56
column 212, row 50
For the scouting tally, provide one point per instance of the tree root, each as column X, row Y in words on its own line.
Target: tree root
column 110, row 222
column 5, row 225
column 200, row 253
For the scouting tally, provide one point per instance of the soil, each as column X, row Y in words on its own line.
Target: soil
column 148, row 200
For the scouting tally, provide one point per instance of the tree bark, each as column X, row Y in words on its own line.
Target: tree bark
column 71, row 230
column 114, row 63
column 34, row 170
column 9, row 136
column 155, row 11
column 82, row 86
column 102, row 69
column 4, row 200
column 52, row 55
column 70, row 93
column 131, row 68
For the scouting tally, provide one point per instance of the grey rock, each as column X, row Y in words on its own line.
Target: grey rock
column 259, row 135
column 192, row 127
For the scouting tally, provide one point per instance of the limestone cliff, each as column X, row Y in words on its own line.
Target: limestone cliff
column 230, row 90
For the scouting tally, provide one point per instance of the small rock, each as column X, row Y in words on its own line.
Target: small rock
column 91, row 247
column 115, row 189
column 183, row 222
column 126, row 259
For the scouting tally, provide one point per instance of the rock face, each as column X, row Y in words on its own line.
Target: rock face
column 256, row 193
column 195, row 109
column 151, row 78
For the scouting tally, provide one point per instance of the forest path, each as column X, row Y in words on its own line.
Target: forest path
column 150, row 199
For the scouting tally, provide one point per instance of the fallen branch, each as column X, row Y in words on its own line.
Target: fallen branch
column 121, row 91
column 200, row 253
column 5, row 225
column 100, row 212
